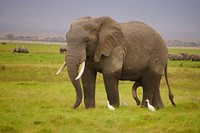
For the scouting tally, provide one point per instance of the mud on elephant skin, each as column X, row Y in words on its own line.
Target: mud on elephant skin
column 120, row 51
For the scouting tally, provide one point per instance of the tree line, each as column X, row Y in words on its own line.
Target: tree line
column 12, row 37
column 178, row 43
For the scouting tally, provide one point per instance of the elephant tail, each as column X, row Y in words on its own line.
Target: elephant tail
column 61, row 68
column 171, row 96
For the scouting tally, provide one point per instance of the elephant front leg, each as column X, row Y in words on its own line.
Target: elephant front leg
column 88, row 81
column 111, row 84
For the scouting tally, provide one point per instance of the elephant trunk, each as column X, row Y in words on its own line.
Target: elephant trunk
column 73, row 59
column 73, row 72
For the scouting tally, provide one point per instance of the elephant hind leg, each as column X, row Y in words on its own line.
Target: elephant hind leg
column 134, row 91
column 151, row 91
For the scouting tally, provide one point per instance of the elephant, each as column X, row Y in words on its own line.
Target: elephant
column 185, row 55
column 63, row 50
column 20, row 50
column 194, row 57
column 176, row 57
column 120, row 51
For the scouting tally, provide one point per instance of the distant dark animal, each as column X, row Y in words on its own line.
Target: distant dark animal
column 63, row 50
column 175, row 57
column 3, row 43
column 194, row 57
column 185, row 55
column 20, row 50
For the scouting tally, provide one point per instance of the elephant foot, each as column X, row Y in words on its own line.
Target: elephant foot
column 157, row 105
column 155, row 101
column 89, row 103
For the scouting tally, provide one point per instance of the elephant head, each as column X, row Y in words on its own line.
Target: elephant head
column 20, row 50
column 91, row 39
column 16, row 50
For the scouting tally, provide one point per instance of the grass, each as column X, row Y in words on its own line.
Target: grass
column 175, row 50
column 34, row 100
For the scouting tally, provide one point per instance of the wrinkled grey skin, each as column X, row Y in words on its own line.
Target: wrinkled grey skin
column 185, row 55
column 194, row 57
column 120, row 51
column 176, row 57
column 20, row 50
column 63, row 50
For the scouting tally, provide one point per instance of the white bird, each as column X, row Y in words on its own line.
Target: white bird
column 124, row 103
column 110, row 107
column 150, row 107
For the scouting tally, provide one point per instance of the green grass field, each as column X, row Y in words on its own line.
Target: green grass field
column 34, row 100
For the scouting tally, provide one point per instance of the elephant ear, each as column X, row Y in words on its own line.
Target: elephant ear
column 109, row 36
column 82, row 19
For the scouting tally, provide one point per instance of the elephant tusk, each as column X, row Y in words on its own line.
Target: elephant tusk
column 81, row 71
column 61, row 68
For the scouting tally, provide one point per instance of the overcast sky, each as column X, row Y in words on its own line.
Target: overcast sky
column 173, row 19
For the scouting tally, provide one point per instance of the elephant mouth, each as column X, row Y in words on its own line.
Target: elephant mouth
column 82, row 68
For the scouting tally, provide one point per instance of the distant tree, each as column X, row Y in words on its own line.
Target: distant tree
column 54, row 39
column 177, row 43
column 10, row 37
column 193, row 44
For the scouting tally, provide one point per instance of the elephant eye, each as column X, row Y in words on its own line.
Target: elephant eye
column 87, row 40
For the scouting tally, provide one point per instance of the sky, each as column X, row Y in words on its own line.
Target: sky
column 173, row 19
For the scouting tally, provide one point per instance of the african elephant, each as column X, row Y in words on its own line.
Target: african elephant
column 120, row 51
column 176, row 57
column 194, row 57
column 63, row 50
column 185, row 55
column 20, row 50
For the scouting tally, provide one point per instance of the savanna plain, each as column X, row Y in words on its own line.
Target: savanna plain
column 35, row 100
